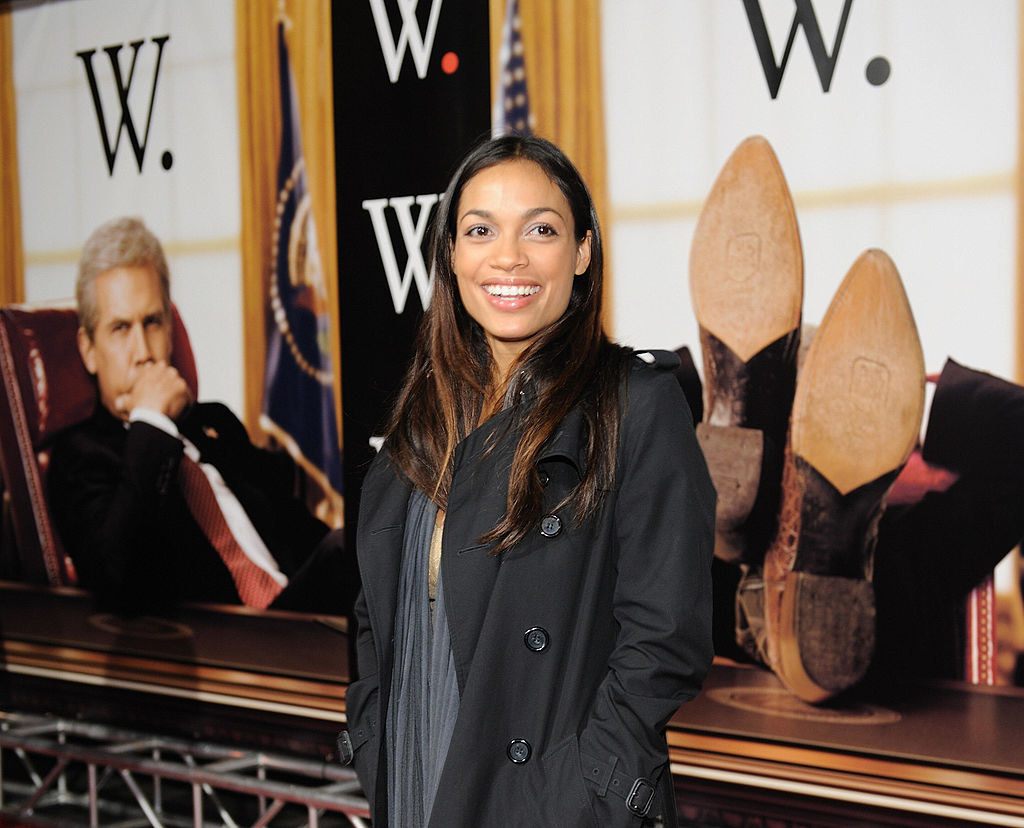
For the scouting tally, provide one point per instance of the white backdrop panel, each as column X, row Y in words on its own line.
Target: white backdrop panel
column 922, row 165
column 187, row 189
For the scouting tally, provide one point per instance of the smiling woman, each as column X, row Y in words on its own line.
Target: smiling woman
column 515, row 255
column 536, row 604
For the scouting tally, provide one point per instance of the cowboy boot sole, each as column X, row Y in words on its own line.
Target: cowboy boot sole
column 746, row 263
column 746, row 284
column 860, row 397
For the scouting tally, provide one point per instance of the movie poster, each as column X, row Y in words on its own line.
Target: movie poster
column 412, row 95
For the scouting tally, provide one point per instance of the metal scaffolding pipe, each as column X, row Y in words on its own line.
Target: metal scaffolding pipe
column 207, row 768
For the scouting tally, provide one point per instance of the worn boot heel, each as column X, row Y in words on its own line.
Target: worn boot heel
column 733, row 455
column 831, row 624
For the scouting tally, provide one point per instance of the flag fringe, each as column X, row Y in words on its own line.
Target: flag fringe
column 332, row 508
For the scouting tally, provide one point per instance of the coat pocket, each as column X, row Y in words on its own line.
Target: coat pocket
column 361, row 711
column 561, row 796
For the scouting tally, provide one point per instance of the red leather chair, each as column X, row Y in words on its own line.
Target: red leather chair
column 45, row 388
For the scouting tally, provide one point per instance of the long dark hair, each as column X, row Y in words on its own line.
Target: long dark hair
column 570, row 363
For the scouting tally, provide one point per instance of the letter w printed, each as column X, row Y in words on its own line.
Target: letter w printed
column 126, row 124
column 804, row 16
column 420, row 43
column 412, row 236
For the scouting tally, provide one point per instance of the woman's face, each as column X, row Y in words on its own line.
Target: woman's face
column 515, row 254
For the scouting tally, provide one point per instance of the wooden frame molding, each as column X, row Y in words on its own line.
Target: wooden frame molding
column 12, row 270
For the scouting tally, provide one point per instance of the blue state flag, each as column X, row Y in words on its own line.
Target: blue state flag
column 298, row 396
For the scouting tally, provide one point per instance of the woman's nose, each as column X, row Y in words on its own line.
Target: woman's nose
column 509, row 253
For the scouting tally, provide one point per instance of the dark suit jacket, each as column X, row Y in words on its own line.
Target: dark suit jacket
column 127, row 527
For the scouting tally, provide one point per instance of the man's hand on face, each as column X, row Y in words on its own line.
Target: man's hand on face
column 158, row 387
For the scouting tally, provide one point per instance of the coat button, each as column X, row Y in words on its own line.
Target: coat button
column 550, row 526
column 519, row 751
column 536, row 638
column 545, row 478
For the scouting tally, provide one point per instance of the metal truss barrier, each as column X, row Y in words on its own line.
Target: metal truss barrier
column 63, row 772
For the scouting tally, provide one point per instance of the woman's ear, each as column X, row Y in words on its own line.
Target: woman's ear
column 583, row 254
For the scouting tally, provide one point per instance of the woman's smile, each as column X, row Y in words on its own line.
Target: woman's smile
column 511, row 291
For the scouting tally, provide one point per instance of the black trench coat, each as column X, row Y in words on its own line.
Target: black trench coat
column 573, row 649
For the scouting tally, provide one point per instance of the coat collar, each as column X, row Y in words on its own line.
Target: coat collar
column 568, row 442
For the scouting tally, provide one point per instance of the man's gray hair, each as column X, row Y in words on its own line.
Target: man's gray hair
column 121, row 242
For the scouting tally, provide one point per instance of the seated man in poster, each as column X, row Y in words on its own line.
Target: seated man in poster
column 161, row 499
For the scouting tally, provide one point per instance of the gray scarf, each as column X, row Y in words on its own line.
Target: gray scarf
column 424, row 701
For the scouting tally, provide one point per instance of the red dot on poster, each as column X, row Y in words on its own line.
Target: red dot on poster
column 449, row 63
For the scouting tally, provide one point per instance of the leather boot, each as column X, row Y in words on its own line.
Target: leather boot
column 856, row 417
column 746, row 283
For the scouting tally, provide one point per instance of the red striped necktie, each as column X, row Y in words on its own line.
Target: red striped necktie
column 254, row 584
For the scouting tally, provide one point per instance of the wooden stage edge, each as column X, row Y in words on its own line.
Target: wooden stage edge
column 949, row 751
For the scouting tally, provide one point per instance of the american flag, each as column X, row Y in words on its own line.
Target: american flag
column 298, row 396
column 511, row 101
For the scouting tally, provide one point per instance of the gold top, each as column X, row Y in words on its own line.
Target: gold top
column 435, row 556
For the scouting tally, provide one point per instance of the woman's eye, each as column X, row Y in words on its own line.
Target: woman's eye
column 544, row 230
column 477, row 230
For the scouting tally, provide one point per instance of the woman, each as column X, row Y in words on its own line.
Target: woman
column 535, row 536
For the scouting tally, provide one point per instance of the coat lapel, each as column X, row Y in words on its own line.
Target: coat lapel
column 475, row 504
column 568, row 442
column 380, row 548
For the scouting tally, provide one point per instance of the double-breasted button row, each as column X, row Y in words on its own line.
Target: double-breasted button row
column 519, row 751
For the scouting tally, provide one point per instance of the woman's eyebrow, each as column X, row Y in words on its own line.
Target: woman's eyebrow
column 533, row 211
column 536, row 211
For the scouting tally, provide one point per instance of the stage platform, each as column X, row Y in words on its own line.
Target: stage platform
column 931, row 754
column 745, row 752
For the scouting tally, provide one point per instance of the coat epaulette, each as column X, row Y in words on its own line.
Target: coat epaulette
column 666, row 360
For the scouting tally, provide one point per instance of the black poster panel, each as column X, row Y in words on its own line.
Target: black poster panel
column 411, row 95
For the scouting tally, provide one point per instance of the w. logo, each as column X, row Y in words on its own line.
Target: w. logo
column 410, row 36
column 804, row 17
column 123, row 85
column 412, row 236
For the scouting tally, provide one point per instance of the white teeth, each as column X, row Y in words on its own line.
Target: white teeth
column 511, row 290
